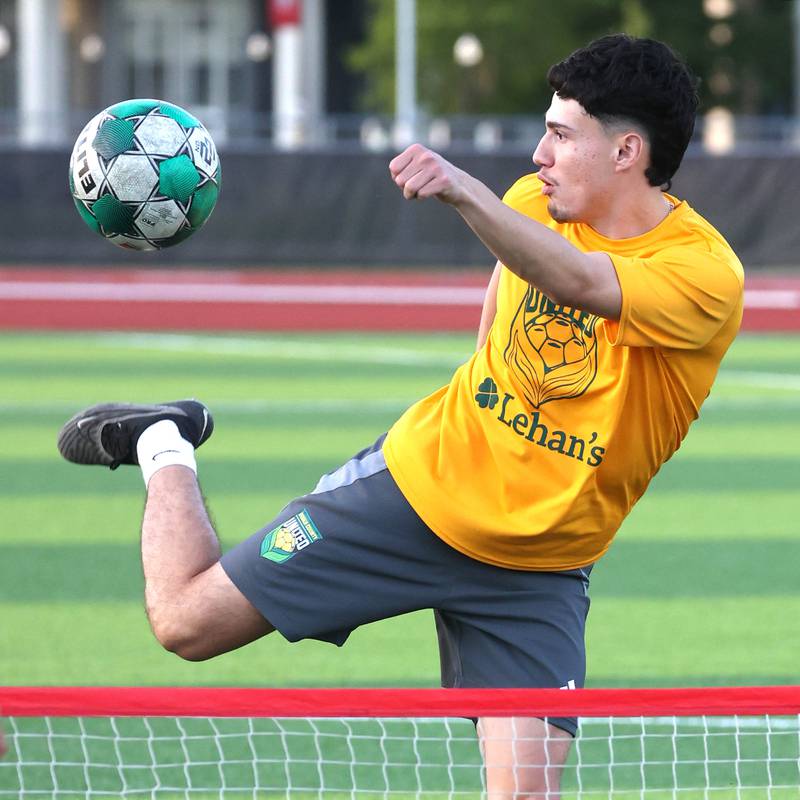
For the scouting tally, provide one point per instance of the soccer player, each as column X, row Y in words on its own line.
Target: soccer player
column 604, row 323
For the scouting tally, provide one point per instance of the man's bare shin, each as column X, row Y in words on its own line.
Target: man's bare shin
column 193, row 607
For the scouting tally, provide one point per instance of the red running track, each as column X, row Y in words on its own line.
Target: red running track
column 289, row 300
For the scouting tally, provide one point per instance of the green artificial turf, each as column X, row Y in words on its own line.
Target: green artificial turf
column 698, row 589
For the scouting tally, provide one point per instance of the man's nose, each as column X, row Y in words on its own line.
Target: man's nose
column 541, row 157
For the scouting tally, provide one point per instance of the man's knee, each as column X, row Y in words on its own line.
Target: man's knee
column 178, row 633
column 205, row 617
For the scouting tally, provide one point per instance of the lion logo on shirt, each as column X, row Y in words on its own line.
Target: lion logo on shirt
column 551, row 349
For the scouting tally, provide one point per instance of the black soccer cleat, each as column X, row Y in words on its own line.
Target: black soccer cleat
column 106, row 434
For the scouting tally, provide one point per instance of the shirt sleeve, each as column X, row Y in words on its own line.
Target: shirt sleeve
column 677, row 299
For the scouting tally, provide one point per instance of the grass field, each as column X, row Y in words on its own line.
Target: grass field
column 700, row 587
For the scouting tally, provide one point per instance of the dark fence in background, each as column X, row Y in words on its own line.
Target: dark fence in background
column 342, row 209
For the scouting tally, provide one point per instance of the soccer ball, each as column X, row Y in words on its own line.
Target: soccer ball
column 558, row 340
column 144, row 174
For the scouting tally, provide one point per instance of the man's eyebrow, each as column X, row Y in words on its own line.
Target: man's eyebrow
column 552, row 125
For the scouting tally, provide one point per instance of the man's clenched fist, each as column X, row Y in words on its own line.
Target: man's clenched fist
column 421, row 173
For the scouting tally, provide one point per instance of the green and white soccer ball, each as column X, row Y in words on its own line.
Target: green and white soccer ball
column 144, row 174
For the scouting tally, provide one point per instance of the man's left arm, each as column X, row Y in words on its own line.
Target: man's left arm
column 489, row 309
column 530, row 250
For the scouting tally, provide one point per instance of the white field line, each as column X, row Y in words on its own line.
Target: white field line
column 345, row 405
column 278, row 293
column 280, row 348
column 244, row 293
column 258, row 406
column 772, row 298
column 294, row 350
column 760, row 380
column 753, row 401
column 335, row 352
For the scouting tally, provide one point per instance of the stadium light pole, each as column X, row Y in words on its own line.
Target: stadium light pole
column 405, row 107
column 313, row 73
column 40, row 71
column 286, row 18
column 796, row 39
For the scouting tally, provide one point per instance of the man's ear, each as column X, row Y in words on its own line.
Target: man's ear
column 629, row 151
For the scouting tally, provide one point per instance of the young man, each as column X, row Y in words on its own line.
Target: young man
column 603, row 327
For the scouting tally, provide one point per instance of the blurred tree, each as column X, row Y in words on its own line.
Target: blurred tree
column 744, row 60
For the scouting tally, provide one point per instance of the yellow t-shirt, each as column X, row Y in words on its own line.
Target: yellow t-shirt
column 542, row 442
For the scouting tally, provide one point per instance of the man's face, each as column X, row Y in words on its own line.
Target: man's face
column 576, row 157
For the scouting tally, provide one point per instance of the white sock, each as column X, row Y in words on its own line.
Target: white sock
column 161, row 445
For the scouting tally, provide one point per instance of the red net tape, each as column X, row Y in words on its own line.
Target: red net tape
column 31, row 701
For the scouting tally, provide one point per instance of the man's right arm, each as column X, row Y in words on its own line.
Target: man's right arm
column 489, row 306
column 540, row 256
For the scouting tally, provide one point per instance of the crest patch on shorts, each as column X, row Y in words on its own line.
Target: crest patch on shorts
column 289, row 538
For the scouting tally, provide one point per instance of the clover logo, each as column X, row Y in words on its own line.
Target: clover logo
column 487, row 394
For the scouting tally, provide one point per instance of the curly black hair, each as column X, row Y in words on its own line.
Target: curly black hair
column 620, row 78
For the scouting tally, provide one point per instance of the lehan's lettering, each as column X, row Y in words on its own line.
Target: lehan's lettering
column 530, row 427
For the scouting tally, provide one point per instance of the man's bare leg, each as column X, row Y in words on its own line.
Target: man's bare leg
column 193, row 607
column 523, row 757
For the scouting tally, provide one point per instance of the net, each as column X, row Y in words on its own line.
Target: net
column 164, row 743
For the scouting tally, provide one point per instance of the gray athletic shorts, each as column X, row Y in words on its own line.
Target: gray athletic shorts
column 354, row 551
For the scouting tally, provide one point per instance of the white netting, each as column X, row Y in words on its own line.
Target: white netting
column 686, row 758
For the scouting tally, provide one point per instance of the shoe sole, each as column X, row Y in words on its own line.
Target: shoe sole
column 79, row 439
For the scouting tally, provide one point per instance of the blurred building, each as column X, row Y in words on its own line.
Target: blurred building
column 63, row 60
column 274, row 73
